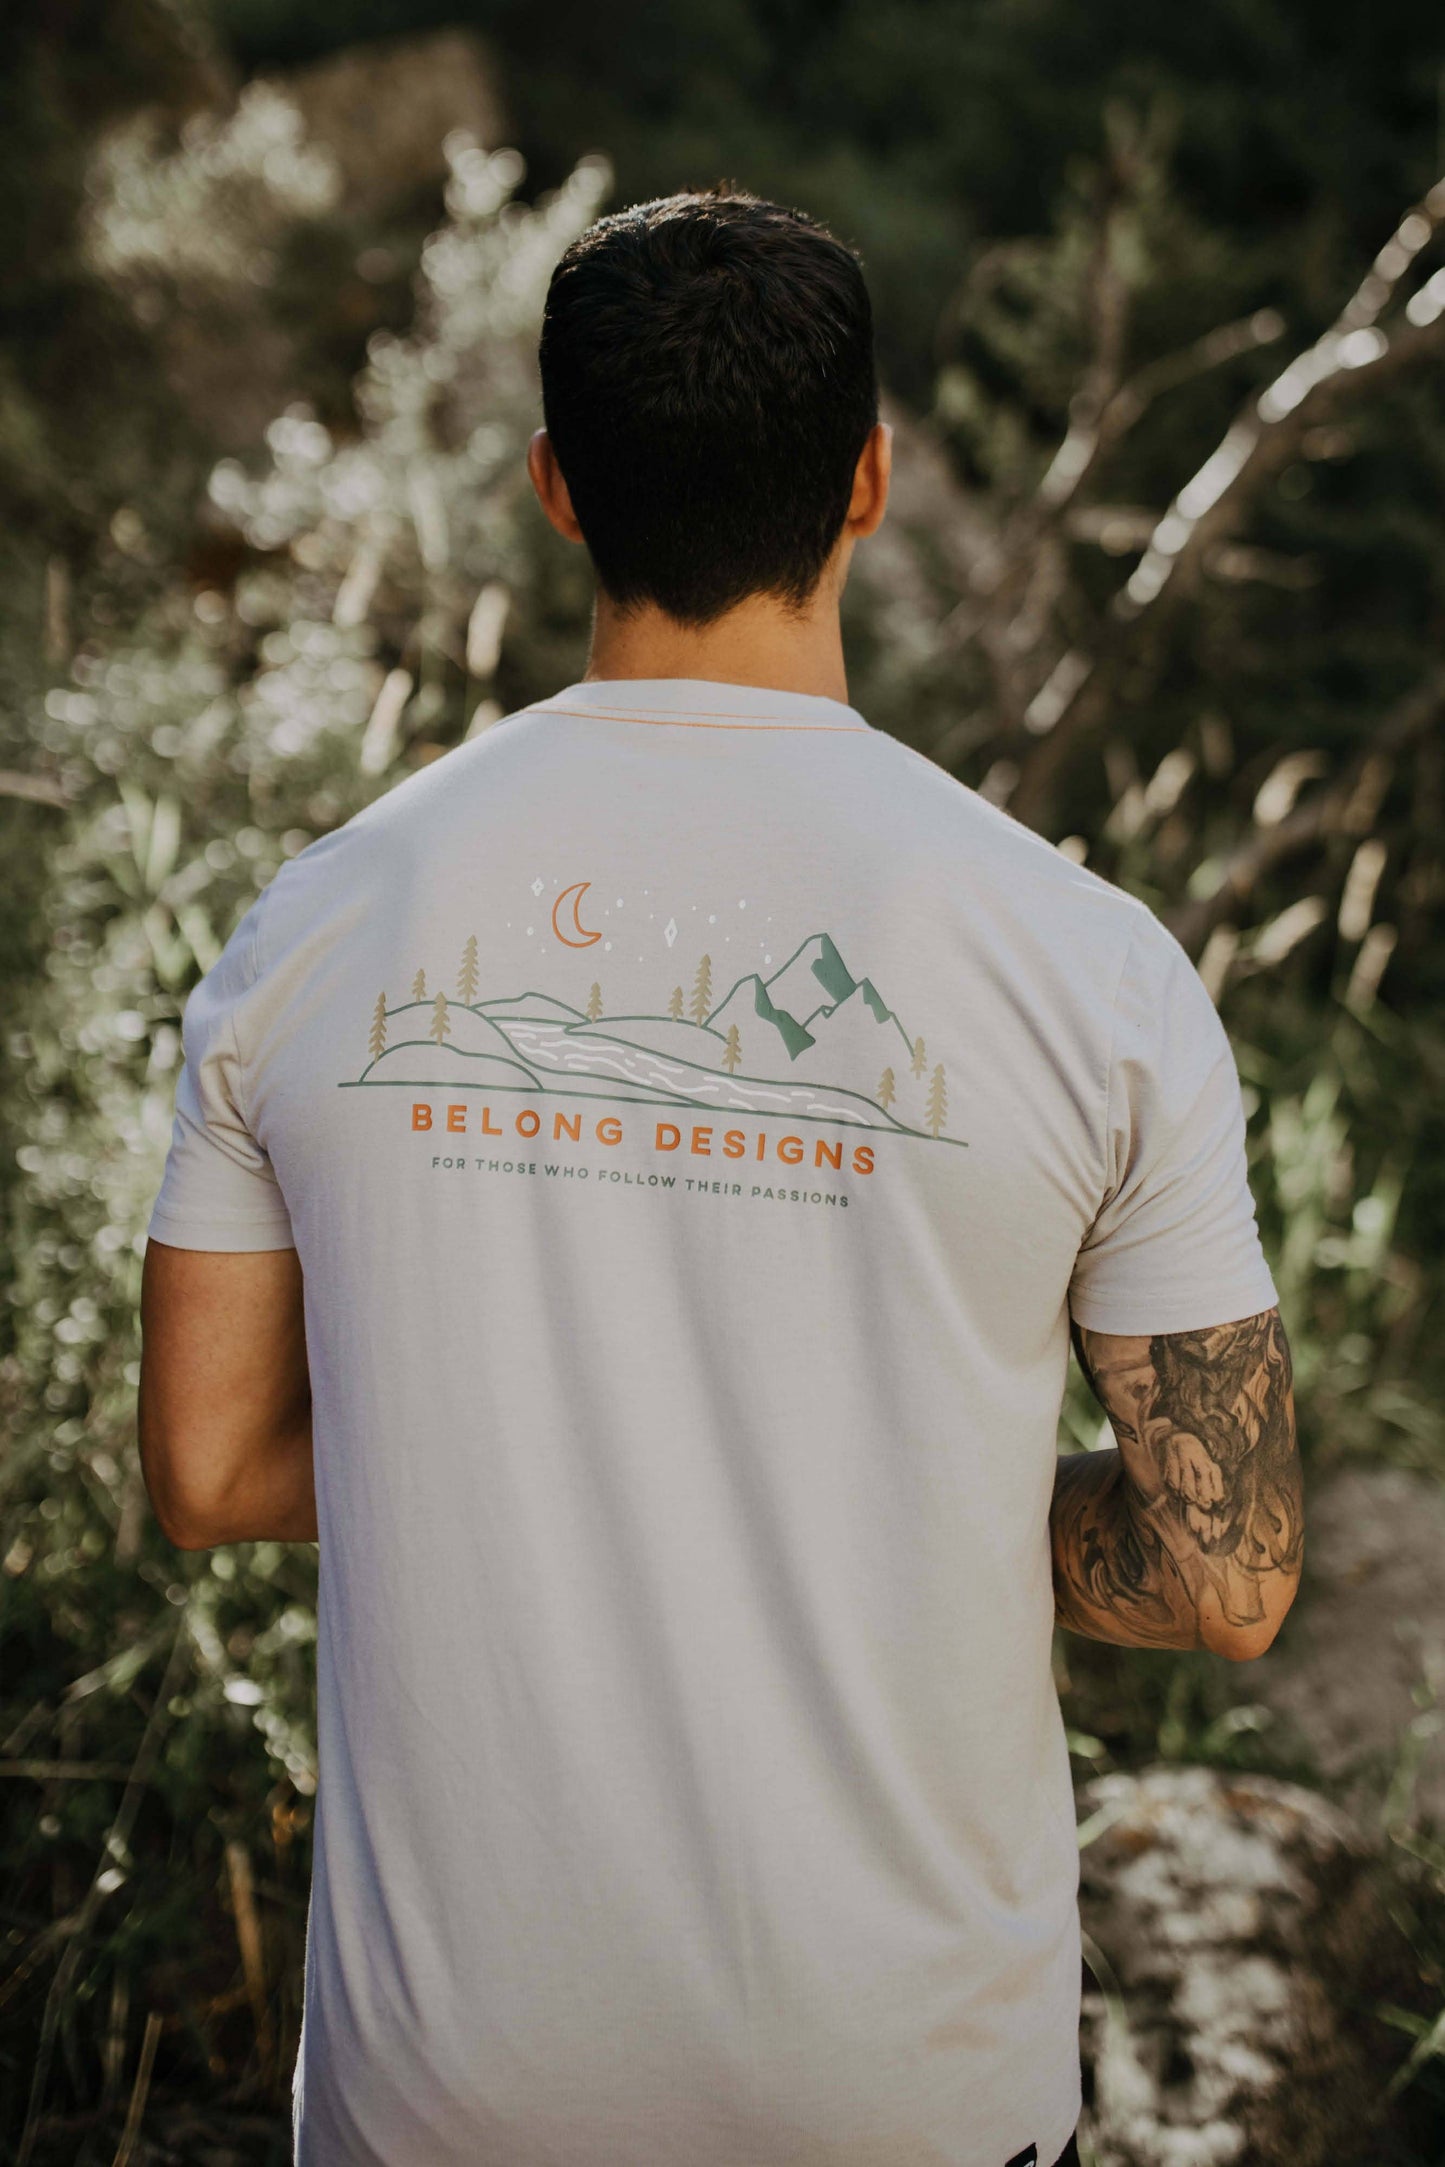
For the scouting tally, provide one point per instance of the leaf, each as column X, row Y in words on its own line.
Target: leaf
column 199, row 933
column 140, row 809
column 165, row 842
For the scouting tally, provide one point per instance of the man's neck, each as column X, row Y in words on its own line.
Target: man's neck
column 758, row 643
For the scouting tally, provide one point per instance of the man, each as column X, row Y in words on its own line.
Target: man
column 630, row 1193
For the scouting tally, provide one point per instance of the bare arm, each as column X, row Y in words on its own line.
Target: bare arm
column 1191, row 1534
column 225, row 1397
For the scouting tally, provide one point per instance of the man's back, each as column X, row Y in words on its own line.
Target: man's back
column 697, row 1117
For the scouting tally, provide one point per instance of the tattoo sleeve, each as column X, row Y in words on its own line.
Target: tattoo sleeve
column 1191, row 1534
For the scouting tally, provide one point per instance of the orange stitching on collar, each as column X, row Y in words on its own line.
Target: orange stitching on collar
column 691, row 722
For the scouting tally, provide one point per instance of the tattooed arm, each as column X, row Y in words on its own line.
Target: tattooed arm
column 1190, row 1535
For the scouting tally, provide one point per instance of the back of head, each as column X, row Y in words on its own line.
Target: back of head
column 708, row 383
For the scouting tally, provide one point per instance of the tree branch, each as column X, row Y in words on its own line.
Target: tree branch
column 1351, row 357
column 1326, row 814
column 38, row 789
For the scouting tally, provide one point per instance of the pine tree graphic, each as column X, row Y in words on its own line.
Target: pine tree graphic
column 441, row 1022
column 937, row 1100
column 919, row 1058
column 732, row 1052
column 594, row 1004
column 377, row 1040
column 702, row 991
column 674, row 1006
column 887, row 1090
column 468, row 977
column 418, row 986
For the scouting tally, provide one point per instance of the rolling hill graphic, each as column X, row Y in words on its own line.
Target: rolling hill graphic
column 809, row 1042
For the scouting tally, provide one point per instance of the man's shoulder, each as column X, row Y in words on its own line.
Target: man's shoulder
column 1014, row 859
column 403, row 812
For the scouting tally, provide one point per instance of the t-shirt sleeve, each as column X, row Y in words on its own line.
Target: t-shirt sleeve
column 219, row 1190
column 1175, row 1246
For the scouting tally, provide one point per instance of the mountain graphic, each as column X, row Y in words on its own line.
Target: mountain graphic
column 814, row 976
column 801, row 999
column 854, row 1039
column 810, row 1042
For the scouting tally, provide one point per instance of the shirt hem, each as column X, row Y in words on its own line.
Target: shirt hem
column 239, row 1235
column 1051, row 2155
column 1196, row 1314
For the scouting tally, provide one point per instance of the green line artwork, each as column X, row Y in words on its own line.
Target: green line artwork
column 809, row 1042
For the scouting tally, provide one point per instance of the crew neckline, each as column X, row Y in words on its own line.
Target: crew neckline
column 700, row 703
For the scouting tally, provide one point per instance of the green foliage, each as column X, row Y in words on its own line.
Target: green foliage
column 86, row 424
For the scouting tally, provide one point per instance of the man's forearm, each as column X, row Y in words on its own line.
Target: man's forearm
column 1191, row 1534
column 1114, row 1578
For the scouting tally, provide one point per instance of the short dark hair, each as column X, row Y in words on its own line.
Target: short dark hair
column 708, row 383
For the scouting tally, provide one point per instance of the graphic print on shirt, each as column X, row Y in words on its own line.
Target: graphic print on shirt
column 810, row 1040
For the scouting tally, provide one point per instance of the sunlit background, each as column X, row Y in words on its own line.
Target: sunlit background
column 1161, row 301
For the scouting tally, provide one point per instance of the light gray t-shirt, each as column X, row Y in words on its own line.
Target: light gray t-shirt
column 697, row 1116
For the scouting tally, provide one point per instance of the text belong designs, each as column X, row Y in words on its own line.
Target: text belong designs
column 695, row 1140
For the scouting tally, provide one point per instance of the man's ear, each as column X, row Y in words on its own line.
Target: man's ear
column 871, row 477
column 552, row 491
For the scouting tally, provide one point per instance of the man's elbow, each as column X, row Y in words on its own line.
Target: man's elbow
column 1244, row 1643
column 184, row 1521
column 189, row 1534
column 188, row 1519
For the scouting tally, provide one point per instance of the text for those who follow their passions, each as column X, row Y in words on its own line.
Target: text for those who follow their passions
column 690, row 1141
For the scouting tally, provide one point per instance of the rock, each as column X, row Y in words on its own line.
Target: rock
column 383, row 111
column 1238, row 1928
column 1351, row 1677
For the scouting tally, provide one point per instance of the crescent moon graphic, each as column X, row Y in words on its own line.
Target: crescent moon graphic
column 579, row 937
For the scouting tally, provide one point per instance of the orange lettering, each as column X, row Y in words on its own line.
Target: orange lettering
column 421, row 1117
column 702, row 1143
column 529, row 1121
column 826, row 1154
column 863, row 1159
column 673, row 1136
column 762, row 1142
column 734, row 1143
column 566, row 1125
column 456, row 1118
column 790, row 1148
column 609, row 1130
column 489, row 1127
